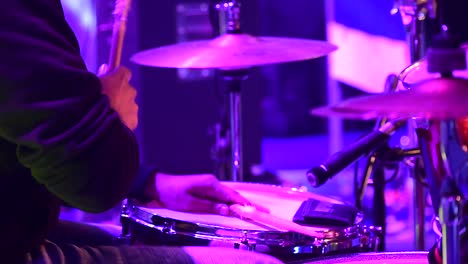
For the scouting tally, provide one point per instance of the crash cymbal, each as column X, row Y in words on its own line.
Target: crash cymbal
column 233, row 51
column 438, row 99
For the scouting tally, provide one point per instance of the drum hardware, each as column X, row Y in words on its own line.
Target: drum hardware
column 444, row 58
column 125, row 237
column 446, row 180
column 388, row 156
column 374, row 174
column 150, row 226
column 359, row 238
column 436, row 227
column 221, row 149
column 230, row 14
column 377, row 173
column 416, row 17
column 417, row 257
column 449, row 214
column 251, row 245
column 376, row 143
column 233, row 53
column 391, row 85
column 439, row 101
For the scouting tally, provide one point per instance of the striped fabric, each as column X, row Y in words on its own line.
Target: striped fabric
column 372, row 43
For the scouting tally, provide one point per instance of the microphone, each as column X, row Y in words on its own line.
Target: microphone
column 318, row 175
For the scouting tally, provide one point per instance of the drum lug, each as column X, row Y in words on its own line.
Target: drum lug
column 125, row 237
column 125, row 218
column 245, row 242
column 168, row 228
column 322, row 245
column 249, row 246
column 373, row 235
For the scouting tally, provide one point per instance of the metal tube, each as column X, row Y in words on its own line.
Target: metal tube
column 417, row 35
column 236, row 135
column 449, row 218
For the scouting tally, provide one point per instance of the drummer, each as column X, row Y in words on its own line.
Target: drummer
column 67, row 138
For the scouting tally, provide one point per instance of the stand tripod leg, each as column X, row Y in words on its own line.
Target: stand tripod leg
column 379, row 205
column 419, row 212
column 449, row 218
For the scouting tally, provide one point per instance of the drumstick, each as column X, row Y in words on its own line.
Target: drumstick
column 122, row 8
column 279, row 223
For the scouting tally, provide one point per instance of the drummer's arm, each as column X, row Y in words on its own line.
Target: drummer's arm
column 144, row 178
column 53, row 110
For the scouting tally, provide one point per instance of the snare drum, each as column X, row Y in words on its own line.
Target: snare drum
column 157, row 226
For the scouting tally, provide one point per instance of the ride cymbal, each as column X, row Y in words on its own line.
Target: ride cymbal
column 231, row 51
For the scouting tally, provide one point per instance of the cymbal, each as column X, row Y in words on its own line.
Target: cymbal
column 438, row 99
column 231, row 51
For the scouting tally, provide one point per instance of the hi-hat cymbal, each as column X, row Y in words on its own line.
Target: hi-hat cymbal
column 232, row 51
column 438, row 99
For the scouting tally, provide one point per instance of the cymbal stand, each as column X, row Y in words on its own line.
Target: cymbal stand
column 229, row 17
column 375, row 168
column 416, row 16
column 220, row 151
column 449, row 215
column 377, row 172
column 444, row 57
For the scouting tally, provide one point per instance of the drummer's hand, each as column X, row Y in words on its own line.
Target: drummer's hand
column 122, row 95
column 195, row 193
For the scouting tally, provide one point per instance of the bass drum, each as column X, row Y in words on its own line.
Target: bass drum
column 158, row 226
column 373, row 258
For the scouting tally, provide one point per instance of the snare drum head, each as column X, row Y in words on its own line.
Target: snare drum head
column 282, row 202
column 181, row 228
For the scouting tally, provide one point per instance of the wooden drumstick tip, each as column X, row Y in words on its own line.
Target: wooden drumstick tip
column 122, row 8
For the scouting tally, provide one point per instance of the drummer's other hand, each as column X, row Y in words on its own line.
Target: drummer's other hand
column 194, row 193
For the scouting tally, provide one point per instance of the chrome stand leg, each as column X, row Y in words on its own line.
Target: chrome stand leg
column 419, row 214
column 449, row 214
column 415, row 16
column 236, row 136
column 233, row 82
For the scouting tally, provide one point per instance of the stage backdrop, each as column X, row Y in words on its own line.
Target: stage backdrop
column 372, row 43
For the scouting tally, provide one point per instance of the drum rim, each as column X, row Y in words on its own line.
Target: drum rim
column 328, row 240
column 294, row 243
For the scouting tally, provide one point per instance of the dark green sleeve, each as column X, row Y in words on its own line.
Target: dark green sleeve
column 52, row 108
column 139, row 184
